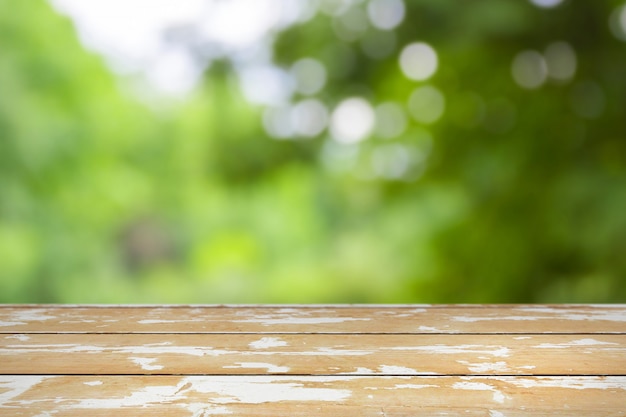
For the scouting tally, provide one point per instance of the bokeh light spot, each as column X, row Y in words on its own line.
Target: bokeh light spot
column 617, row 23
column 529, row 69
column 546, row 4
column 561, row 61
column 250, row 24
column 391, row 120
column 174, row 72
column 265, row 84
column 391, row 161
column 352, row 120
column 418, row 61
column 426, row 104
column 309, row 117
column 386, row 14
column 340, row 157
column 310, row 75
column 277, row 122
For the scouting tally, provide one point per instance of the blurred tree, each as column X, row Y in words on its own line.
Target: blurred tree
column 71, row 151
column 239, row 149
column 432, row 151
column 530, row 137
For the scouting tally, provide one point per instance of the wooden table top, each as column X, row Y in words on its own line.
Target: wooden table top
column 336, row 360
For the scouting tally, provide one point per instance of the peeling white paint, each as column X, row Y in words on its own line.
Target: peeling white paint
column 497, row 351
column 267, row 342
column 93, row 383
column 23, row 316
column 263, row 390
column 182, row 350
column 361, row 371
column 321, row 351
column 166, row 348
column 396, row 370
column 152, row 350
column 146, row 363
column 429, row 329
column 274, row 369
column 20, row 337
column 338, row 352
column 77, row 321
column 479, row 386
column 32, row 315
column 579, row 342
column 494, row 413
column 415, row 386
column 578, row 314
column 401, row 313
column 14, row 386
column 579, row 383
column 499, row 366
column 289, row 310
column 46, row 413
column 300, row 320
column 396, row 310
column 466, row 319
column 160, row 321
column 54, row 348
column 146, row 397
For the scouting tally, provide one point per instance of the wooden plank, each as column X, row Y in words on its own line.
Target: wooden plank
column 200, row 361
column 308, row 354
column 329, row 319
column 311, row 396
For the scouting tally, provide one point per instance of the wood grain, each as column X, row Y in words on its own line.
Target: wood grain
column 384, row 361
column 312, row 319
column 313, row 354
column 312, row 396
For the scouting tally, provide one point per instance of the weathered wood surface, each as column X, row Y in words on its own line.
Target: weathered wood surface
column 313, row 396
column 576, row 319
column 313, row 360
column 313, row 354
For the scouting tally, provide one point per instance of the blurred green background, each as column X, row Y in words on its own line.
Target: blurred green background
column 427, row 151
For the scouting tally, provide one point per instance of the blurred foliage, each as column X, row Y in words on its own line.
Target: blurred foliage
column 514, row 195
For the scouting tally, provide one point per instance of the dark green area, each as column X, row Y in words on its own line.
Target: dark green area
column 518, row 195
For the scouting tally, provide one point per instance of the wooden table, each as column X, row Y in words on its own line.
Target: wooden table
column 383, row 361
